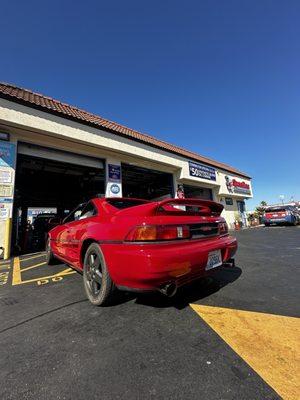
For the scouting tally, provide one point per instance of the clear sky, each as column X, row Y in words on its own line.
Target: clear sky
column 221, row 78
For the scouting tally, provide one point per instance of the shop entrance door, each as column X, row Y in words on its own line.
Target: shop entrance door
column 241, row 210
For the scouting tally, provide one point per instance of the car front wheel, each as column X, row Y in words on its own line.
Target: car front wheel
column 50, row 258
column 97, row 282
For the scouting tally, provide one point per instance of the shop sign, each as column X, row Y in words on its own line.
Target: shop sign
column 229, row 201
column 6, row 190
column 202, row 171
column 6, row 175
column 7, row 154
column 114, row 190
column 114, row 173
column 4, row 211
column 235, row 186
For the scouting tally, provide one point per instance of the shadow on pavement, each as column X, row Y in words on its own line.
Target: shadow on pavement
column 185, row 295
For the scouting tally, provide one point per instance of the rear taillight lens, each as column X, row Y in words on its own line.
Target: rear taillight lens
column 152, row 233
column 223, row 228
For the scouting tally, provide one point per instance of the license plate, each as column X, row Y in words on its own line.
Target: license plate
column 275, row 215
column 214, row 259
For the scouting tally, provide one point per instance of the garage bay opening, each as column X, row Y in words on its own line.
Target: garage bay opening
column 49, row 184
column 146, row 183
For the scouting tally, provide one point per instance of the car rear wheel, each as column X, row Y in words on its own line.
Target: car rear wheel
column 50, row 258
column 97, row 282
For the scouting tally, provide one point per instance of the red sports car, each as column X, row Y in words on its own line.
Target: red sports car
column 138, row 245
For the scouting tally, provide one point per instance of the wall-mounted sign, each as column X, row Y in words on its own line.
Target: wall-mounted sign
column 7, row 154
column 114, row 190
column 202, row 171
column 6, row 175
column 6, row 190
column 114, row 173
column 235, row 186
column 229, row 201
column 5, row 211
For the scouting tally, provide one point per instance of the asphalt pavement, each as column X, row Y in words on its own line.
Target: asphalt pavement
column 55, row 345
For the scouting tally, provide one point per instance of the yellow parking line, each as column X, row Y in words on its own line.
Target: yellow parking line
column 268, row 343
column 62, row 273
column 16, row 277
column 34, row 256
column 3, row 267
column 33, row 266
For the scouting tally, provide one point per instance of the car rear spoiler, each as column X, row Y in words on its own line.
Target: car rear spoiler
column 189, row 206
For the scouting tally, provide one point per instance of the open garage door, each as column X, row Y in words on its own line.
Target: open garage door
column 197, row 192
column 146, row 183
column 49, row 183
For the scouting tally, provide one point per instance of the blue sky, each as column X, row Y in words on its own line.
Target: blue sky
column 221, row 78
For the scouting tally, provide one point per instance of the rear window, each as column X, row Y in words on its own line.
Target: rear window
column 121, row 204
column 278, row 209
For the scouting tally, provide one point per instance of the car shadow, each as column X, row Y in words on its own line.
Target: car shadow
column 187, row 294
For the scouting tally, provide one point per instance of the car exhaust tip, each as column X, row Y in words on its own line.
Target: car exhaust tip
column 169, row 290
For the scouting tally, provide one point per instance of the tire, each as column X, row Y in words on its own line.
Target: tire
column 50, row 258
column 267, row 224
column 97, row 283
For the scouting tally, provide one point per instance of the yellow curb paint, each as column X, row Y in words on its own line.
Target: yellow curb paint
column 7, row 238
column 268, row 343
column 33, row 266
column 16, row 277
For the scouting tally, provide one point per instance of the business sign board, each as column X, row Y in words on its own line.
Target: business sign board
column 6, row 175
column 235, row 186
column 114, row 173
column 7, row 154
column 202, row 171
column 114, row 189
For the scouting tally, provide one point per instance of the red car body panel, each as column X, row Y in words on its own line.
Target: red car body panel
column 145, row 265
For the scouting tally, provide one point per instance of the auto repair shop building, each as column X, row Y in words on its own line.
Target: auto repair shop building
column 55, row 156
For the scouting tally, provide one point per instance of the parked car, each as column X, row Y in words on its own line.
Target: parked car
column 281, row 215
column 41, row 226
column 138, row 245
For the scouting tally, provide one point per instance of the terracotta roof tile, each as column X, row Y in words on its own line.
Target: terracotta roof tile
column 47, row 104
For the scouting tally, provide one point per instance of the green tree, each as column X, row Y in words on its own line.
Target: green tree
column 261, row 208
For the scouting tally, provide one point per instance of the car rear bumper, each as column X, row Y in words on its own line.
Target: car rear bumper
column 284, row 220
column 149, row 266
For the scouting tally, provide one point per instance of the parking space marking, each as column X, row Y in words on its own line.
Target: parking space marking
column 33, row 266
column 39, row 255
column 17, row 273
column 268, row 343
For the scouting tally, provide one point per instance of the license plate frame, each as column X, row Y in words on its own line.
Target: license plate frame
column 214, row 260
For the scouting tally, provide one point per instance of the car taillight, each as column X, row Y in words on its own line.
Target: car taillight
column 152, row 233
column 223, row 228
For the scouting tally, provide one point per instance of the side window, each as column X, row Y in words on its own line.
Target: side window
column 75, row 214
column 88, row 211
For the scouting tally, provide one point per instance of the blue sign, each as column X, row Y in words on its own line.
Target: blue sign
column 5, row 200
column 7, row 154
column 114, row 173
column 202, row 171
